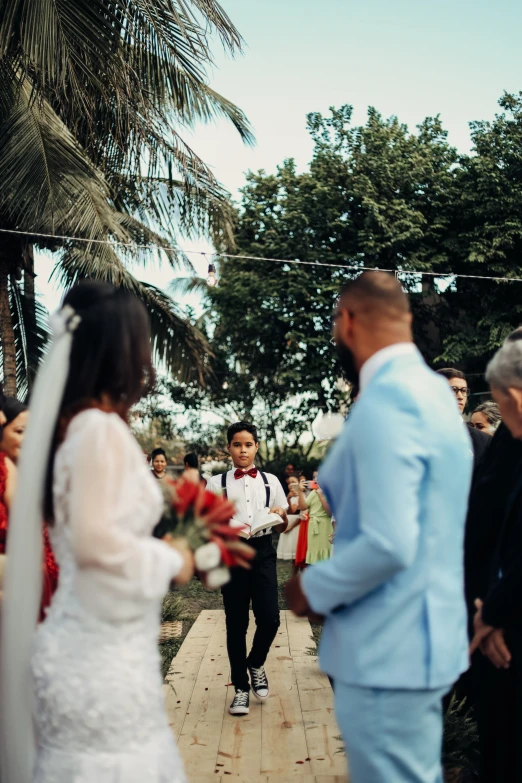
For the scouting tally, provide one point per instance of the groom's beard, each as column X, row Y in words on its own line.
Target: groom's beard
column 347, row 362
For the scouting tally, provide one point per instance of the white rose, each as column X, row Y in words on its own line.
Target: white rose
column 217, row 578
column 207, row 556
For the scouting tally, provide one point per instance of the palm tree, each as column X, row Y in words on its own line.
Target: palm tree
column 94, row 97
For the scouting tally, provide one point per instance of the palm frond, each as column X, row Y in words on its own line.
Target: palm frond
column 30, row 338
column 48, row 185
column 43, row 170
column 176, row 342
column 89, row 52
column 181, row 286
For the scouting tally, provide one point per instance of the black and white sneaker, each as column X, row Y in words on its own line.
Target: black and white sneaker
column 241, row 703
column 259, row 683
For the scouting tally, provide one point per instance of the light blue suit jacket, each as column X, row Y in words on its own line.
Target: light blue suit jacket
column 397, row 481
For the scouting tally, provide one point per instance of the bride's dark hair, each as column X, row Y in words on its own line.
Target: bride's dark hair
column 110, row 357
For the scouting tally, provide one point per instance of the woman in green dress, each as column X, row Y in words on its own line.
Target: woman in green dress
column 320, row 528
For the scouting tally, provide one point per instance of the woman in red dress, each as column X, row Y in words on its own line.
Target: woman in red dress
column 15, row 416
column 6, row 482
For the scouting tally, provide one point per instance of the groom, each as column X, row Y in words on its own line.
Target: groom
column 397, row 481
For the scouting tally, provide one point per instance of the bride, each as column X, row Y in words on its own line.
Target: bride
column 96, row 685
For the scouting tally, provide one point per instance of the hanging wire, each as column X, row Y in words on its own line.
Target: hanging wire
column 239, row 257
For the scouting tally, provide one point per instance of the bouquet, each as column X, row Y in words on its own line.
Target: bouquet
column 202, row 520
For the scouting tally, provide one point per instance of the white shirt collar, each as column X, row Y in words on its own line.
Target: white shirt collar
column 382, row 357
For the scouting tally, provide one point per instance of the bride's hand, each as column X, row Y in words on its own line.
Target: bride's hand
column 188, row 568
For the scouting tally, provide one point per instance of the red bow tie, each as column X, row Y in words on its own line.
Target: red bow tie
column 239, row 474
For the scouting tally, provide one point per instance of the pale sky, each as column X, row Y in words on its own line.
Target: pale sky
column 412, row 58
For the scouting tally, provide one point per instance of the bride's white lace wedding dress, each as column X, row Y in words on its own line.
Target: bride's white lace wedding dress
column 99, row 705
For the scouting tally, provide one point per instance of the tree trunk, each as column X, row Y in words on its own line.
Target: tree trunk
column 7, row 335
column 30, row 313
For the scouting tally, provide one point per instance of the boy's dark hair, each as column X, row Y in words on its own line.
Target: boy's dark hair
column 241, row 426
column 451, row 372
column 158, row 453
column 191, row 460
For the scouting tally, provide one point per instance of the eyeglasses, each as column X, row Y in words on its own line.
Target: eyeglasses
column 464, row 390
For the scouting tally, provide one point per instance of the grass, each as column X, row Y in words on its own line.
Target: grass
column 186, row 603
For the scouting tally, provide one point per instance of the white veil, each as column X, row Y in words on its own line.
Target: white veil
column 23, row 572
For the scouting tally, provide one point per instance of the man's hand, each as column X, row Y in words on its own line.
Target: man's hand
column 482, row 631
column 298, row 602
column 188, row 568
column 495, row 648
column 296, row 599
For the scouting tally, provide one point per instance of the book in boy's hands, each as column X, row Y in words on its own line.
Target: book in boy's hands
column 263, row 520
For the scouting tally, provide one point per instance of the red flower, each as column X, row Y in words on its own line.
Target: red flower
column 184, row 495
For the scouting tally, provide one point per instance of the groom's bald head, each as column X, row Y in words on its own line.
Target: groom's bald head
column 376, row 294
column 373, row 312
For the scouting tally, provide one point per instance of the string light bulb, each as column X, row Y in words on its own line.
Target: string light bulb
column 212, row 279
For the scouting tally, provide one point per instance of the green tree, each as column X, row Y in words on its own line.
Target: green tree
column 93, row 99
column 487, row 232
column 374, row 196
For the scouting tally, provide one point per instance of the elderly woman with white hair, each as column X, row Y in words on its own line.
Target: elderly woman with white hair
column 498, row 621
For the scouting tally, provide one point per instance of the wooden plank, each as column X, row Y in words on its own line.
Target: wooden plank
column 240, row 742
column 178, row 690
column 269, row 779
column 310, row 678
column 199, row 739
column 204, row 625
column 284, row 749
column 239, row 746
column 296, row 724
column 316, row 697
column 299, row 635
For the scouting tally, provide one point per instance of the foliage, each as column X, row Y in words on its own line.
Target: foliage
column 488, row 240
column 94, row 99
column 460, row 746
column 374, row 196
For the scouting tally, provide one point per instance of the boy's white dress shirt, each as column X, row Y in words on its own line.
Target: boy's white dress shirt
column 249, row 495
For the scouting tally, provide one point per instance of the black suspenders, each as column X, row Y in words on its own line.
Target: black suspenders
column 265, row 481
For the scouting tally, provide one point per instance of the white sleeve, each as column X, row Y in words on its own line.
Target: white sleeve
column 100, row 512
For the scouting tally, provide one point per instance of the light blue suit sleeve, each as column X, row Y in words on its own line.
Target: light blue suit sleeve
column 390, row 465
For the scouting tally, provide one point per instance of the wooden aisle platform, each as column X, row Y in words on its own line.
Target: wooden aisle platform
column 292, row 734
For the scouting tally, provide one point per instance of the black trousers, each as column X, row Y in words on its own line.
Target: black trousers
column 258, row 586
column 498, row 706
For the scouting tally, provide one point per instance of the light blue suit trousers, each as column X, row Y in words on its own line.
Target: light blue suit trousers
column 391, row 736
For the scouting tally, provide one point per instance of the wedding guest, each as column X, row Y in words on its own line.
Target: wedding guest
column 287, row 544
column 397, row 480
column 7, row 484
column 159, row 463
column 459, row 386
column 251, row 490
column 288, row 472
column 293, row 494
column 93, row 678
column 498, row 625
column 320, row 528
column 486, row 417
column 16, row 414
column 191, row 468
column 301, row 550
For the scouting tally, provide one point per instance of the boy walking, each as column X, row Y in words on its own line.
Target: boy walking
column 251, row 490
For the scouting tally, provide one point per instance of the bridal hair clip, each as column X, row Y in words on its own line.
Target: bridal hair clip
column 64, row 320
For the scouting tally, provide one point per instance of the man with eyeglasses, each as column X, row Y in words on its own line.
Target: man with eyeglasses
column 459, row 386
